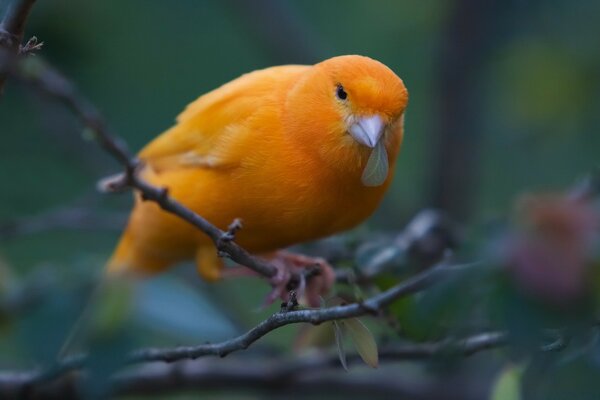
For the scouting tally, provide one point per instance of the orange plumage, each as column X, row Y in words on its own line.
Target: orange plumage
column 297, row 152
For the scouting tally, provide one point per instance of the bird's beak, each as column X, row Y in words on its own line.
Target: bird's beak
column 367, row 130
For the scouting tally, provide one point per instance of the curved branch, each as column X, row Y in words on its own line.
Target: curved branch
column 12, row 29
column 49, row 81
column 16, row 15
column 253, row 372
column 314, row 316
column 313, row 374
column 46, row 79
column 370, row 306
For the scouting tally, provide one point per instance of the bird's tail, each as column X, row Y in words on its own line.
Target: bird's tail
column 129, row 258
column 123, row 255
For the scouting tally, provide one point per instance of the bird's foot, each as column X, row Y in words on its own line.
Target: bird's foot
column 310, row 277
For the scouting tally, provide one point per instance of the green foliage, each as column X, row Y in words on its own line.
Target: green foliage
column 361, row 337
column 363, row 341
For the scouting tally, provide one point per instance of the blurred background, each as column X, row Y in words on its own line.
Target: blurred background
column 504, row 99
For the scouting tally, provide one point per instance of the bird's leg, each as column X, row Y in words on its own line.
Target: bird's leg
column 280, row 280
column 310, row 277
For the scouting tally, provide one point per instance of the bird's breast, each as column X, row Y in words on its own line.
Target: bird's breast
column 300, row 199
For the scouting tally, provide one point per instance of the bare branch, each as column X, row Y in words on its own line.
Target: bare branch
column 319, row 382
column 12, row 29
column 49, row 81
column 13, row 22
column 282, row 318
column 316, row 316
column 257, row 373
column 46, row 79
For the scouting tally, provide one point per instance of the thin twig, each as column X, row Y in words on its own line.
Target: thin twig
column 263, row 377
column 307, row 371
column 258, row 370
column 282, row 318
column 13, row 22
column 49, row 81
column 46, row 79
column 12, row 29
column 241, row 376
column 316, row 316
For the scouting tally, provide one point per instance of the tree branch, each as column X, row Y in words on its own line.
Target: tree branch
column 316, row 316
column 317, row 373
column 263, row 377
column 12, row 29
column 13, row 22
column 253, row 372
column 49, row 81
column 44, row 78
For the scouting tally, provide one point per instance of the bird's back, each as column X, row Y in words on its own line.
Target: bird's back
column 212, row 160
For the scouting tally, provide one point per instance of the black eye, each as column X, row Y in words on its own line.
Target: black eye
column 341, row 93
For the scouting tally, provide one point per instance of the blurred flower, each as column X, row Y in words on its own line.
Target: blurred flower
column 550, row 253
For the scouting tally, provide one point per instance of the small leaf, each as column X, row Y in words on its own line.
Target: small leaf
column 508, row 384
column 363, row 341
column 377, row 168
column 339, row 341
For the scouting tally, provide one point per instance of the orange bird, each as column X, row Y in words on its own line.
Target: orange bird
column 297, row 152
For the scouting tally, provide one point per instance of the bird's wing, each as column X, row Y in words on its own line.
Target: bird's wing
column 213, row 130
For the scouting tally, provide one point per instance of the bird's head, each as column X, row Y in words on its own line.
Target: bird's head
column 349, row 110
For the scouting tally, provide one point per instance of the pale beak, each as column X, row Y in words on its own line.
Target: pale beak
column 367, row 130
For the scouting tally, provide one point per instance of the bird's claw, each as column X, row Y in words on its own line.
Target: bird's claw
column 309, row 277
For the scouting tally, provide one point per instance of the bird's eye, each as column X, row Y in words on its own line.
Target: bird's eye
column 341, row 93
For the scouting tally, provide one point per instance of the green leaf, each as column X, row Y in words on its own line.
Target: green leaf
column 508, row 384
column 339, row 341
column 363, row 341
column 377, row 168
